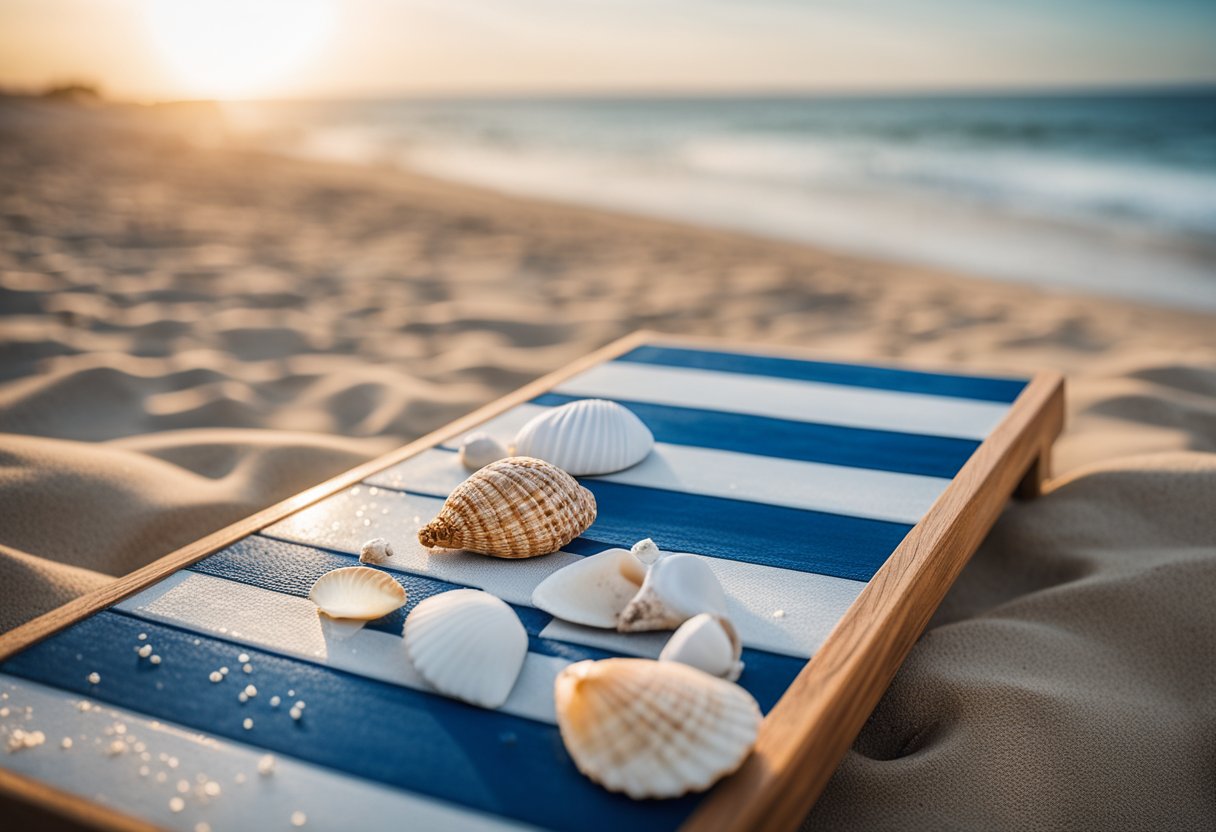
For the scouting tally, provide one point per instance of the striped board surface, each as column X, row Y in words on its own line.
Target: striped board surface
column 835, row 503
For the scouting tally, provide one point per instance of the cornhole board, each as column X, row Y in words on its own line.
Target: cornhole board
column 835, row 502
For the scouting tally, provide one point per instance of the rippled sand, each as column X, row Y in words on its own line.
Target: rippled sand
column 190, row 333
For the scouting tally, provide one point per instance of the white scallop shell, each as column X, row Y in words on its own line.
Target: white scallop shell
column 592, row 591
column 480, row 449
column 653, row 729
column 467, row 644
column 706, row 642
column 356, row 592
column 676, row 588
column 376, row 550
column 586, row 437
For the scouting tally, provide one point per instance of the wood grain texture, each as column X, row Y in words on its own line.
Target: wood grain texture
column 805, row 735
column 27, row 804
column 45, row 625
column 803, row 738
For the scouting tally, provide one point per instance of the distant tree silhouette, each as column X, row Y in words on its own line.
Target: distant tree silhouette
column 73, row 91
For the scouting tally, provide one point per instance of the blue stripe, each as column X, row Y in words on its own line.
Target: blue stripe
column 878, row 450
column 789, row 538
column 584, row 546
column 853, row 375
column 291, row 569
column 485, row 760
column 806, row 541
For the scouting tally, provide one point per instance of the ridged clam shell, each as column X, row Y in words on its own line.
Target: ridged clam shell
column 676, row 588
column 356, row 592
column 706, row 642
column 592, row 591
column 586, row 437
column 518, row 507
column 467, row 644
column 653, row 729
column 480, row 449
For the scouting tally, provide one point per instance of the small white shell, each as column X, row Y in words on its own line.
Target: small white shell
column 706, row 642
column 377, row 550
column 480, row 449
column 676, row 588
column 653, row 729
column 356, row 592
column 592, row 591
column 467, row 644
column 586, row 437
column 646, row 551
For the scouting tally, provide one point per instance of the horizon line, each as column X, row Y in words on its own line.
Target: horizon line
column 693, row 93
column 1061, row 89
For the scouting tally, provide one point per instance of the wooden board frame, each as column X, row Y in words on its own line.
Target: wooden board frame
column 806, row 734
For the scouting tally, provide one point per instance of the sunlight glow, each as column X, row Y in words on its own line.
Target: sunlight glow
column 237, row 48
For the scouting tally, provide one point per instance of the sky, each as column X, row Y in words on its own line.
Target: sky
column 170, row 49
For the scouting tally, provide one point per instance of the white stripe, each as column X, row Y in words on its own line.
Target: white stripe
column 778, row 610
column 857, row 492
column 810, row 604
column 290, row 625
column 802, row 401
column 330, row 800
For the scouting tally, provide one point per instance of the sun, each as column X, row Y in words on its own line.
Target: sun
column 237, row 48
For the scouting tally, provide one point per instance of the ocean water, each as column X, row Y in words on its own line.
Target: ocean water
column 1112, row 193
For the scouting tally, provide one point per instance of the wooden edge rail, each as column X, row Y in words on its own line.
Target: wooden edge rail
column 29, row 804
column 804, row 737
column 45, row 625
column 811, row 727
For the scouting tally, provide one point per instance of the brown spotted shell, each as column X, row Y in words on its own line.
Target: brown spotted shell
column 518, row 507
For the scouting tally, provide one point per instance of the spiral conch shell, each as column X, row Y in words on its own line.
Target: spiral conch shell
column 676, row 588
column 653, row 729
column 518, row 507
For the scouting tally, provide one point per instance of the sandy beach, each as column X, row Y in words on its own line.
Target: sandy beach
column 191, row 330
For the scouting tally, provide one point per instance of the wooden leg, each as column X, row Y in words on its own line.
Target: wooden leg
column 1031, row 485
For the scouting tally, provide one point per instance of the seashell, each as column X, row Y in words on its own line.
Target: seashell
column 518, row 507
column 586, row 437
column 592, row 591
column 653, row 729
column 377, row 550
column 356, row 592
column 646, row 551
column 480, row 449
column 709, row 643
column 676, row 588
column 467, row 644
column 596, row 590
